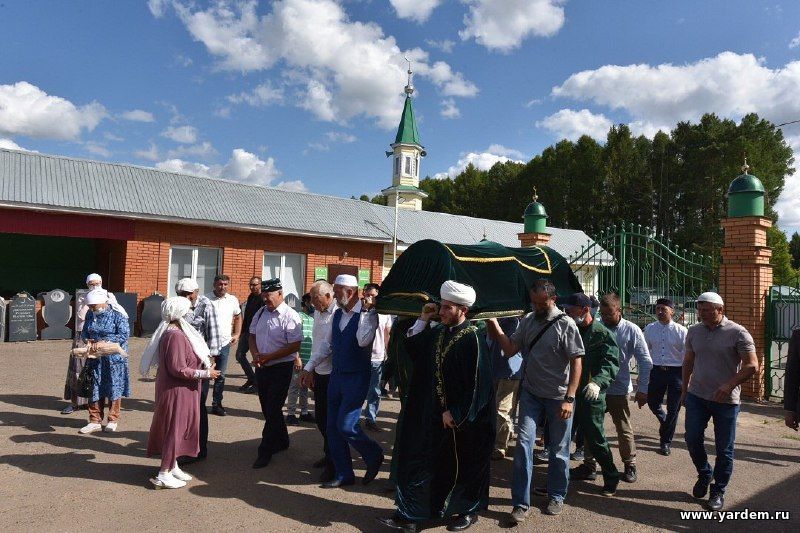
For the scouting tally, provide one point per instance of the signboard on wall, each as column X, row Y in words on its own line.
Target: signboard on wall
column 320, row 273
column 363, row 277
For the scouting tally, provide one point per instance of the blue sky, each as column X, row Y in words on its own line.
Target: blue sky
column 306, row 94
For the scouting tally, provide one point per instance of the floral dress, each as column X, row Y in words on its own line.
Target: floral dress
column 111, row 376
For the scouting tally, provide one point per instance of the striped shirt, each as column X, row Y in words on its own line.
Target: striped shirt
column 306, row 344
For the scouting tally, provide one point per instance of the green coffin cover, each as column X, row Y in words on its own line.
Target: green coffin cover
column 501, row 276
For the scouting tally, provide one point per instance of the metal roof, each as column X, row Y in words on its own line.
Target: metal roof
column 39, row 181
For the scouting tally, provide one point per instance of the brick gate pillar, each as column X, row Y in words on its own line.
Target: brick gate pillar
column 745, row 274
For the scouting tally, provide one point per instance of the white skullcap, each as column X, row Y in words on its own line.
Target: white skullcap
column 93, row 277
column 710, row 297
column 186, row 285
column 97, row 296
column 458, row 293
column 346, row 280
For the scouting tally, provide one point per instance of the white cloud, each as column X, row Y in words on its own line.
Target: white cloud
column 338, row 68
column 532, row 102
column 503, row 24
column 482, row 160
column 151, row 154
column 262, row 95
column 417, row 10
column 97, row 149
column 795, row 42
column 157, row 7
column 27, row 110
column 340, row 137
column 445, row 45
column 181, row 134
column 8, row 144
column 450, row 109
column 203, row 150
column 111, row 137
column 243, row 166
column 138, row 115
column 788, row 204
column 570, row 124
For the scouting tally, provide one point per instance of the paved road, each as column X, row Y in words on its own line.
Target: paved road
column 54, row 479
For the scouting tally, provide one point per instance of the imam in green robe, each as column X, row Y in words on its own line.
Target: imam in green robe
column 445, row 472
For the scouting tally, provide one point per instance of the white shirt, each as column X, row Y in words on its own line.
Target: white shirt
column 277, row 329
column 379, row 344
column 226, row 307
column 367, row 323
column 667, row 344
column 320, row 361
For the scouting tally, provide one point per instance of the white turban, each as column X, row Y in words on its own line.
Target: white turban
column 458, row 293
column 93, row 277
column 710, row 297
column 97, row 296
column 186, row 285
column 346, row 280
column 172, row 309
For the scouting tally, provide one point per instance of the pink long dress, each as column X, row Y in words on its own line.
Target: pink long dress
column 175, row 430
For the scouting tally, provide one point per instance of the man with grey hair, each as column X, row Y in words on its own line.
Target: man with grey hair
column 720, row 356
column 317, row 372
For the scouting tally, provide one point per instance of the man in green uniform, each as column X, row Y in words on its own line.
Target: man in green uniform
column 447, row 434
column 600, row 367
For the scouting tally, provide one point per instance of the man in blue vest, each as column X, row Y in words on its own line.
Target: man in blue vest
column 353, row 331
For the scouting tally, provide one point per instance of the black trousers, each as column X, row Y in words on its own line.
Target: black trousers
column 321, row 412
column 665, row 380
column 203, row 418
column 273, row 386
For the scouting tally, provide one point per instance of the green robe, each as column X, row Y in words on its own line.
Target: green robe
column 444, row 472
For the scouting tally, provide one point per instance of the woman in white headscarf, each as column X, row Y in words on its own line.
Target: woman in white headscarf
column 182, row 358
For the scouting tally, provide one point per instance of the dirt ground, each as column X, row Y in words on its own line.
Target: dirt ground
column 54, row 479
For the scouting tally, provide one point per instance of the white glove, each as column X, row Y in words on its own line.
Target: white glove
column 591, row 391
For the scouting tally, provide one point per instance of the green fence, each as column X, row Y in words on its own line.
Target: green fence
column 783, row 316
column 641, row 267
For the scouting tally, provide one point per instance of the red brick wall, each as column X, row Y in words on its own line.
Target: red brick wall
column 147, row 257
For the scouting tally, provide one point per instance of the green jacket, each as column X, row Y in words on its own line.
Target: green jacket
column 601, row 361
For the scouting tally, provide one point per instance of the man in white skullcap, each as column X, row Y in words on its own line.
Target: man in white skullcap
column 720, row 356
column 352, row 334
column 203, row 317
column 444, row 444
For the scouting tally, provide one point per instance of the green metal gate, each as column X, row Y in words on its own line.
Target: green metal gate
column 641, row 266
column 783, row 317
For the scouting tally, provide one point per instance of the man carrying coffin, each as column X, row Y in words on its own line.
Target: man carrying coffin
column 447, row 436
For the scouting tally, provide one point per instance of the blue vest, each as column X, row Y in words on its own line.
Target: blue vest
column 347, row 355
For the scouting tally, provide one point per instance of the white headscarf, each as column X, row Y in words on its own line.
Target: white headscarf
column 102, row 296
column 174, row 309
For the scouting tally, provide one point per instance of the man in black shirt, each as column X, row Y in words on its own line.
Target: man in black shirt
column 252, row 305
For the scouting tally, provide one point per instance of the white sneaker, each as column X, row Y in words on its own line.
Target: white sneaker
column 91, row 427
column 177, row 473
column 111, row 427
column 166, row 480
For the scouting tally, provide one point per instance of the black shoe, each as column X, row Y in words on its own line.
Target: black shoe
column 327, row 475
column 188, row 459
column 218, row 410
column 308, row 417
column 610, row 486
column 262, row 461
column 630, row 474
column 577, row 455
column 251, row 390
column 321, row 463
column 291, row 420
column 68, row 410
column 372, row 471
column 247, row 384
column 582, row 472
column 716, row 501
column 371, row 426
column 541, row 457
column 701, row 487
column 664, row 450
column 336, row 483
column 462, row 522
column 406, row 526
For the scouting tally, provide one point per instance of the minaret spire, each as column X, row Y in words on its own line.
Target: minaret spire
column 409, row 86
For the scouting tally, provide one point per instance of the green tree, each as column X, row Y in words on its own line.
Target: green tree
column 782, row 271
column 794, row 249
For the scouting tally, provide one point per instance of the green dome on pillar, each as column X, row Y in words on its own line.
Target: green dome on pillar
column 746, row 195
column 535, row 216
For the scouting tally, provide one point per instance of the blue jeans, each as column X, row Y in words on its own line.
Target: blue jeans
column 219, row 383
column 374, row 394
column 346, row 395
column 698, row 413
column 665, row 380
column 533, row 411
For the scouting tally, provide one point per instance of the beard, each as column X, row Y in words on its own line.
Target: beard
column 343, row 301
